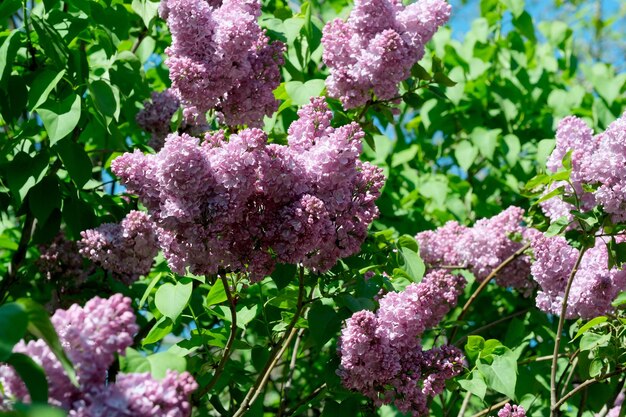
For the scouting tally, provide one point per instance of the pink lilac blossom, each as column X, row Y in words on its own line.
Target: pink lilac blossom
column 61, row 263
column 241, row 204
column 482, row 248
column 140, row 395
column 594, row 287
column 597, row 161
column 220, row 59
column 92, row 336
column 381, row 353
column 512, row 411
column 127, row 249
column 374, row 50
column 156, row 115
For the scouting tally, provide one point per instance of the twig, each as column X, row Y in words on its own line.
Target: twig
column 557, row 339
column 275, row 354
column 292, row 367
column 465, row 403
column 229, row 344
column 491, row 408
column 573, row 361
column 489, row 325
column 484, row 284
column 584, row 385
column 317, row 391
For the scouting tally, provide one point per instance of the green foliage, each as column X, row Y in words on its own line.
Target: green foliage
column 470, row 135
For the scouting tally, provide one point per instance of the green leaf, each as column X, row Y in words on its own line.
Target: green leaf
column 465, row 154
column 474, row 346
column 13, row 325
column 620, row 299
column 172, row 299
column 7, row 8
column 501, row 375
column 324, row 323
column 515, row 6
column 161, row 362
column 420, row 72
column 35, row 410
column 443, row 79
column 39, row 325
column 60, row 118
column 591, row 323
column 476, row 385
column 8, row 51
column 558, row 226
column 161, row 328
column 301, row 93
column 146, row 9
column 44, row 197
column 283, row 274
column 75, row 160
column 134, row 362
column 524, row 23
column 50, row 41
column 106, row 98
column 33, row 376
column 43, row 85
column 146, row 293
column 595, row 367
column 485, row 140
column 591, row 341
column 217, row 294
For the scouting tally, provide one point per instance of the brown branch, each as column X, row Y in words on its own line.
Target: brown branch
column 275, row 354
column 229, row 344
column 484, row 284
column 584, row 385
column 317, row 391
column 557, row 339
column 491, row 408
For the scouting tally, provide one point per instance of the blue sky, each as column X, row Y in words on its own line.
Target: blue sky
column 574, row 15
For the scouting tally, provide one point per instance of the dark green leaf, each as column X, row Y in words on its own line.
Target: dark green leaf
column 75, row 161
column 43, row 85
column 324, row 323
column 8, row 50
column 44, row 197
column 39, row 325
column 33, row 376
column 13, row 324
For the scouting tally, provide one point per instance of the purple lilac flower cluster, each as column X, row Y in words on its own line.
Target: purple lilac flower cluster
column 60, row 261
column 598, row 161
column 241, row 204
column 221, row 59
column 92, row 336
column 374, row 50
column 512, row 411
column 594, row 287
column 156, row 115
column 482, row 248
column 127, row 249
column 381, row 353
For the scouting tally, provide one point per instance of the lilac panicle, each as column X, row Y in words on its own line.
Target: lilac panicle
column 92, row 336
column 374, row 50
column 243, row 205
column 127, row 249
column 381, row 353
column 594, row 287
column 220, row 59
column 481, row 248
